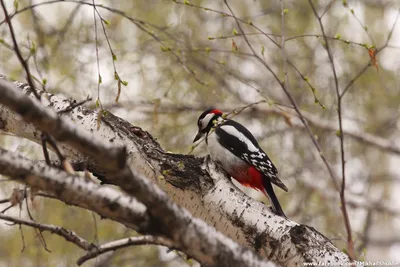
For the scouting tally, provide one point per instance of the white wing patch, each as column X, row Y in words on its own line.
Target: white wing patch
column 250, row 146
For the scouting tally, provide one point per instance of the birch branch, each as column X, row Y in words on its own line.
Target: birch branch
column 122, row 243
column 74, row 190
column 191, row 182
column 68, row 235
column 193, row 236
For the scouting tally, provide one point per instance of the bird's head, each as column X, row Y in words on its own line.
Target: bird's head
column 206, row 121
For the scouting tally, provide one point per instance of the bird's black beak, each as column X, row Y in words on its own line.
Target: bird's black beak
column 198, row 136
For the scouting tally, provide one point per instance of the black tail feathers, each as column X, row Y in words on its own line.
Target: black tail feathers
column 269, row 191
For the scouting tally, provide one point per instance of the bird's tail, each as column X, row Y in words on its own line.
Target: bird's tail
column 269, row 192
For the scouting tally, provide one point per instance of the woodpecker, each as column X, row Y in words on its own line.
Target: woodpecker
column 233, row 147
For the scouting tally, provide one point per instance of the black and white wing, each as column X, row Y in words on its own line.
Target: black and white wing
column 237, row 139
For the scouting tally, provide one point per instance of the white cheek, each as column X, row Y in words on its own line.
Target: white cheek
column 206, row 120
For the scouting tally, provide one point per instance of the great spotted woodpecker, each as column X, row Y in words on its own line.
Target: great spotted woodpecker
column 233, row 146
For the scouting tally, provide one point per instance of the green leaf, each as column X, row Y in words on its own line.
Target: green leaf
column 114, row 57
column 106, row 22
column 100, row 79
column 44, row 81
column 262, row 50
column 337, row 36
column 165, row 48
column 125, row 83
column 97, row 103
column 234, row 31
column 33, row 47
column 186, row 2
column 285, row 11
column 16, row 3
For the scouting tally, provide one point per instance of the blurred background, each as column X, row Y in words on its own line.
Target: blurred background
column 175, row 59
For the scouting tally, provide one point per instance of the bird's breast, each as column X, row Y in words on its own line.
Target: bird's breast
column 233, row 165
column 222, row 155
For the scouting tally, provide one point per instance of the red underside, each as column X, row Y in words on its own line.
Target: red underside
column 253, row 179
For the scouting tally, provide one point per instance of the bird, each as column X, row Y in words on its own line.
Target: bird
column 236, row 150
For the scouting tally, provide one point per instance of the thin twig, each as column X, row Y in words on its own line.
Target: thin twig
column 350, row 243
column 99, row 81
column 126, row 242
column 390, row 33
column 62, row 33
column 96, row 229
column 113, row 56
column 9, row 207
column 24, row 65
column 52, row 142
column 378, row 50
column 365, row 28
column 18, row 52
column 295, row 106
column 283, row 41
column 74, row 105
column 68, row 235
column 38, row 232
column 22, row 237
column 44, row 148
column 328, row 7
column 355, row 78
